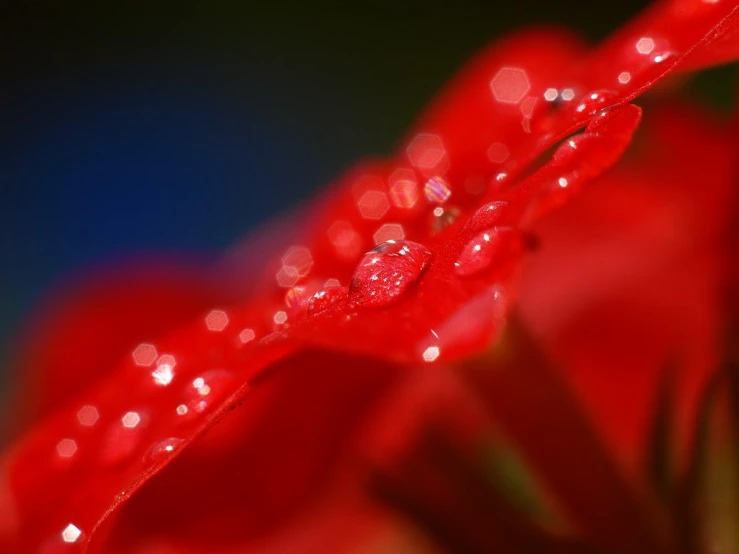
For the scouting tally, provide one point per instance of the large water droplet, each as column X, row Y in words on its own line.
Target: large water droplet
column 486, row 250
column 489, row 215
column 326, row 297
column 594, row 101
column 386, row 272
column 163, row 449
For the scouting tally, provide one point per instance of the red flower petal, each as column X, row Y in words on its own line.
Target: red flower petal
column 629, row 278
column 85, row 331
column 67, row 476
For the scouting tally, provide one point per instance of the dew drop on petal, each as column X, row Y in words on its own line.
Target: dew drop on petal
column 163, row 449
column 326, row 297
column 386, row 272
column 595, row 101
column 487, row 216
column 437, row 190
column 203, row 392
column 484, row 251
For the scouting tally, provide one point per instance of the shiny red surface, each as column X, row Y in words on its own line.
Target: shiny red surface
column 161, row 358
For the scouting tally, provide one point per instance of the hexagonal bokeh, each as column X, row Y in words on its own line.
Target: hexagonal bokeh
column 389, row 231
column 510, row 85
column 426, row 151
column 144, row 354
column 403, row 188
column 216, row 320
column 373, row 204
column 287, row 277
column 300, row 258
column 645, row 45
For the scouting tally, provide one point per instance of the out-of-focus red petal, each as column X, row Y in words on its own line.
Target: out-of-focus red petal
column 267, row 476
column 84, row 331
column 629, row 278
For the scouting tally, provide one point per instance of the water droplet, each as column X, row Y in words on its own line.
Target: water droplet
column 489, row 215
column 326, row 297
column 387, row 271
column 437, row 190
column 595, row 101
column 441, row 218
column 203, row 392
column 484, row 251
column 163, row 449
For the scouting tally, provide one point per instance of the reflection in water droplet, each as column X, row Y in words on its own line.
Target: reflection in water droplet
column 487, row 216
column 443, row 217
column 484, row 251
column 386, row 272
column 437, row 190
column 326, row 297
column 203, row 392
column 162, row 449
column 163, row 375
column 595, row 101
